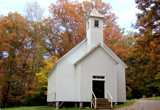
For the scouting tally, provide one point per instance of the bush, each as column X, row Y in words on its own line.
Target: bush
column 36, row 99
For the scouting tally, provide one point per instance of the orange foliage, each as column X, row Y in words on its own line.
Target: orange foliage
column 68, row 22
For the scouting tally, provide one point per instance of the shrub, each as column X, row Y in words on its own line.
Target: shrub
column 35, row 99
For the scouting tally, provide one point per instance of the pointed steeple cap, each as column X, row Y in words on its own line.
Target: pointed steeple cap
column 94, row 13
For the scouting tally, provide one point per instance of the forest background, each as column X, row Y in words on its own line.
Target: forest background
column 31, row 44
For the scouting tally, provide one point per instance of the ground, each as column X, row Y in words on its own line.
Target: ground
column 41, row 108
column 140, row 104
column 143, row 105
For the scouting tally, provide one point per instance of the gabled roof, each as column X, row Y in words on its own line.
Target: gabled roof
column 54, row 66
column 104, row 47
column 107, row 50
column 114, row 55
column 95, row 13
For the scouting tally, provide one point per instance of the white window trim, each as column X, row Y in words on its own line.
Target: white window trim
column 98, row 79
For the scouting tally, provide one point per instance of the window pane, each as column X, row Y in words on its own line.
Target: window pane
column 98, row 77
column 96, row 23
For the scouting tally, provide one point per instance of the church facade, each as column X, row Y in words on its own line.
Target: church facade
column 89, row 70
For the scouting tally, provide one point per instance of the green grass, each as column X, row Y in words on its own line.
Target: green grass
column 75, row 109
column 128, row 103
column 150, row 98
column 41, row 108
column 29, row 108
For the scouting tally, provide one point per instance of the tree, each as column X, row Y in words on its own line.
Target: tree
column 35, row 16
column 147, row 46
column 148, row 25
column 42, row 75
column 148, row 42
column 15, row 54
column 27, row 42
column 67, row 26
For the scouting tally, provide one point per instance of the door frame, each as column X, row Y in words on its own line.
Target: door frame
column 99, row 79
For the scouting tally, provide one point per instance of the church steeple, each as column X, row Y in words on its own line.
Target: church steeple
column 94, row 23
column 95, row 13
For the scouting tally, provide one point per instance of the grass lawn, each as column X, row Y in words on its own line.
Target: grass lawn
column 150, row 98
column 41, row 108
column 128, row 102
column 29, row 108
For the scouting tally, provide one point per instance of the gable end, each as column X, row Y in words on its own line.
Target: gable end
column 108, row 51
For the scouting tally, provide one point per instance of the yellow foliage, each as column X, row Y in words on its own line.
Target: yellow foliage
column 42, row 75
column 157, row 76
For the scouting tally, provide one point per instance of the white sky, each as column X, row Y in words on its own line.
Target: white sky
column 125, row 10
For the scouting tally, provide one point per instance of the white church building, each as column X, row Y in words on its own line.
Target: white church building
column 90, row 72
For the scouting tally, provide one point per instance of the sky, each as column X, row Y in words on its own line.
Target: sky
column 125, row 10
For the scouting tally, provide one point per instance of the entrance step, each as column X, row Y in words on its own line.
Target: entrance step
column 102, row 104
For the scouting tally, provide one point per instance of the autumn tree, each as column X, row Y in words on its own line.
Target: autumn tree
column 34, row 14
column 147, row 48
column 65, row 24
column 42, row 75
column 15, row 54
column 130, row 61
column 67, row 27
column 148, row 42
column 30, row 45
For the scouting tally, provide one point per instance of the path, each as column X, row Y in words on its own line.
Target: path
column 143, row 105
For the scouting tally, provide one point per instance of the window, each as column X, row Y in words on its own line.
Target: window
column 98, row 77
column 96, row 23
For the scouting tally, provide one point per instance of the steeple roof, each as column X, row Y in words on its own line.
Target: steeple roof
column 95, row 13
